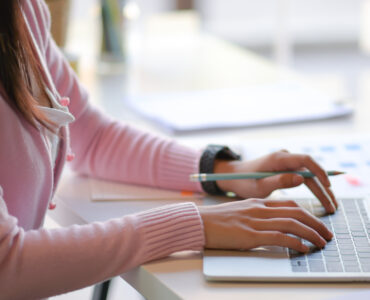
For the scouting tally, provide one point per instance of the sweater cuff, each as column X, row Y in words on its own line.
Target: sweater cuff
column 170, row 229
column 175, row 165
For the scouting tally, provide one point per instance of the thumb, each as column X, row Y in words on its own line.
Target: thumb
column 281, row 181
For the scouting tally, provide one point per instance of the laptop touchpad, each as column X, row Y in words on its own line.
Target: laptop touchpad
column 256, row 262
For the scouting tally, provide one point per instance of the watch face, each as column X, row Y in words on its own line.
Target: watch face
column 227, row 153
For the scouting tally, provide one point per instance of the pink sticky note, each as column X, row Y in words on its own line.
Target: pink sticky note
column 352, row 180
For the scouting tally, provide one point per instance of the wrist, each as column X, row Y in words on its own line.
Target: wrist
column 202, row 212
column 206, row 216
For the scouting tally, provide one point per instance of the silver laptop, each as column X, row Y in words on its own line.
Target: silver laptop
column 345, row 258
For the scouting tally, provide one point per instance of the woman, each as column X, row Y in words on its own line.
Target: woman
column 45, row 117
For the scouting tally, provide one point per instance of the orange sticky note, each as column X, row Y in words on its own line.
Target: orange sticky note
column 187, row 193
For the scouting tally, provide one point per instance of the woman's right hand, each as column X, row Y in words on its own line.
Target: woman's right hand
column 252, row 223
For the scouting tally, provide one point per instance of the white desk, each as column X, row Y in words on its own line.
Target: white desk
column 207, row 62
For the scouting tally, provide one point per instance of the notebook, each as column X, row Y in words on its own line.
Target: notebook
column 347, row 256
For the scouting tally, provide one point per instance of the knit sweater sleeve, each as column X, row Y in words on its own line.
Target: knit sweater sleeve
column 40, row 263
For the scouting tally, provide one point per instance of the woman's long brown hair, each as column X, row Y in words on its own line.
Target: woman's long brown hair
column 17, row 62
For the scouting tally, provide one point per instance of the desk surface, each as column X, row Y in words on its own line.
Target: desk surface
column 207, row 62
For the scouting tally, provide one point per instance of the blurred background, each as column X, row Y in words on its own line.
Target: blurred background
column 325, row 40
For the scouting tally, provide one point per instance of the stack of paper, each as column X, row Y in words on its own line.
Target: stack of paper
column 226, row 108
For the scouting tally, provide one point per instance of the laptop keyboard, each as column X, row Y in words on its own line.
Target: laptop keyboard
column 348, row 251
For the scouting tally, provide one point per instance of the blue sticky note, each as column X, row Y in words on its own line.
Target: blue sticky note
column 353, row 147
column 327, row 148
column 347, row 164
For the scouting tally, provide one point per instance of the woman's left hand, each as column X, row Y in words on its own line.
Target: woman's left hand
column 277, row 161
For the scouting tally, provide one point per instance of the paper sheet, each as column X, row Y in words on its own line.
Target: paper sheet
column 251, row 106
column 111, row 191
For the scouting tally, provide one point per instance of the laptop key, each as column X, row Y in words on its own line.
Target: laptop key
column 299, row 269
column 342, row 235
column 298, row 263
column 356, row 228
column 363, row 249
column 363, row 254
column 332, row 258
column 362, row 244
column 318, row 268
column 349, row 257
column 343, row 230
column 365, row 267
column 338, row 226
column 364, row 260
column 354, row 269
column 334, row 267
column 347, row 252
column 344, row 241
column 315, row 262
column 346, row 247
column 316, row 265
column 350, row 263
column 359, row 234
column 331, row 253
column 360, row 239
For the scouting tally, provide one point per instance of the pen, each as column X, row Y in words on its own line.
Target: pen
column 254, row 175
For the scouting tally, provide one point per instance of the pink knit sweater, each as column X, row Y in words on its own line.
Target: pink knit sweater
column 37, row 263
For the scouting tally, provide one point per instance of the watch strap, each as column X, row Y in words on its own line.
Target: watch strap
column 207, row 162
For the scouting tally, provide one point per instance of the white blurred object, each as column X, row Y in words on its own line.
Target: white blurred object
column 283, row 42
column 253, row 23
column 365, row 27
column 131, row 10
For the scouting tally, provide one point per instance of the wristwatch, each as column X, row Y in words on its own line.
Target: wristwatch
column 207, row 162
